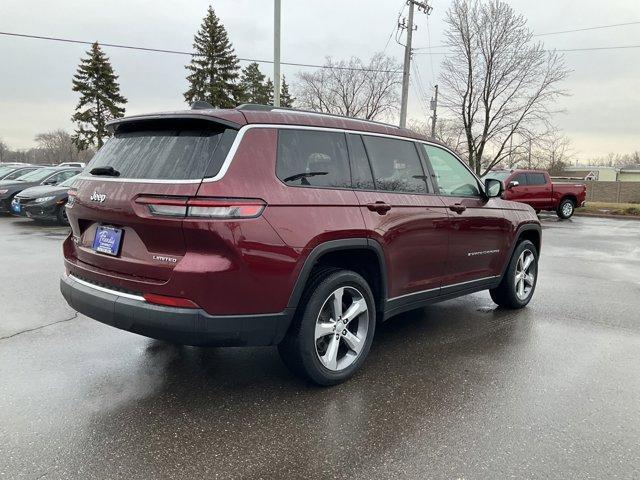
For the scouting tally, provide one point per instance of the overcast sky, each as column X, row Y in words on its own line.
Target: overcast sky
column 35, row 76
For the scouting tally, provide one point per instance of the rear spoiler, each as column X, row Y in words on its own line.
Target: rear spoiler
column 114, row 124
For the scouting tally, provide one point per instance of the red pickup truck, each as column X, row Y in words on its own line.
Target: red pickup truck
column 534, row 187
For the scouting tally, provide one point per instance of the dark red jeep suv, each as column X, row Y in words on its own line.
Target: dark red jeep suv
column 269, row 226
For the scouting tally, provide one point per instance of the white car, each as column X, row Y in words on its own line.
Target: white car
column 73, row 164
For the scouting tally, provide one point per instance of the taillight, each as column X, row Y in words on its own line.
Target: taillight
column 166, row 206
column 225, row 207
column 72, row 197
column 222, row 208
column 169, row 301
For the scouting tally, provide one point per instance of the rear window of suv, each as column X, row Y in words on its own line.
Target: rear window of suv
column 396, row 165
column 312, row 158
column 160, row 154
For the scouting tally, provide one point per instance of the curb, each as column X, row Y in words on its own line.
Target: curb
column 607, row 215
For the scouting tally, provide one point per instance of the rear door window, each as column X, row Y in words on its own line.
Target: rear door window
column 159, row 154
column 18, row 173
column 536, row 179
column 396, row 165
column 312, row 158
column 37, row 175
column 361, row 175
column 62, row 176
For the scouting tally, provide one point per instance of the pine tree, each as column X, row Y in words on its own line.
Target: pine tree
column 213, row 67
column 286, row 100
column 100, row 99
column 253, row 85
column 269, row 87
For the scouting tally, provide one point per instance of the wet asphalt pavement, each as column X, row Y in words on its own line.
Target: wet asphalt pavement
column 458, row 390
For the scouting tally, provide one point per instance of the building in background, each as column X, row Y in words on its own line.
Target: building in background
column 629, row 175
column 592, row 172
column 599, row 173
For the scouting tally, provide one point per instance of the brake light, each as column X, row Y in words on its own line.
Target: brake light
column 172, row 207
column 225, row 208
column 169, row 301
column 222, row 208
column 71, row 194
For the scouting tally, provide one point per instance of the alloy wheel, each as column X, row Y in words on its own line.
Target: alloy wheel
column 567, row 209
column 525, row 274
column 341, row 328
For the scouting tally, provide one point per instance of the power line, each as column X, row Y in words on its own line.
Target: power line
column 433, row 72
column 586, row 49
column 179, row 52
column 395, row 27
column 598, row 27
column 424, row 7
column 419, row 90
column 420, row 99
column 587, row 28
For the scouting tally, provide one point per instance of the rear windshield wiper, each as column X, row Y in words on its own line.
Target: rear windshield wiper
column 107, row 171
column 303, row 176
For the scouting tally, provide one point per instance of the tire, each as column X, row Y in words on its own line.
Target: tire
column 308, row 345
column 566, row 208
column 62, row 216
column 514, row 293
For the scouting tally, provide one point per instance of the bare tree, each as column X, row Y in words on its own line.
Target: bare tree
column 499, row 83
column 448, row 131
column 548, row 150
column 626, row 160
column 351, row 88
column 3, row 150
column 58, row 146
column 556, row 152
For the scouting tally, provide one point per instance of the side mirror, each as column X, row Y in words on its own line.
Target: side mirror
column 513, row 183
column 493, row 187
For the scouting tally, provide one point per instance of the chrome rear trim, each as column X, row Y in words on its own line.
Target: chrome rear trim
column 107, row 290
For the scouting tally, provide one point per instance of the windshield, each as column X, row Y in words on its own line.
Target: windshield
column 68, row 182
column 36, row 175
column 496, row 176
column 5, row 170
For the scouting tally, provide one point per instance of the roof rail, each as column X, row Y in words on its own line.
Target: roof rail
column 201, row 105
column 256, row 106
column 271, row 108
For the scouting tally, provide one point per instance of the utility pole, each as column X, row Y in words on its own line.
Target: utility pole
column 511, row 151
column 422, row 6
column 276, row 53
column 434, row 107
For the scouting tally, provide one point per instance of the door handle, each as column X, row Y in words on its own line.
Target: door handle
column 379, row 207
column 457, row 207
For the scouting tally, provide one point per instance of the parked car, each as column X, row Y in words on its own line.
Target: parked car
column 268, row 226
column 13, row 164
column 41, row 176
column 45, row 202
column 535, row 188
column 73, row 164
column 12, row 172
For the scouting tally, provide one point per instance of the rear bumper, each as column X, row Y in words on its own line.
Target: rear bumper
column 178, row 325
